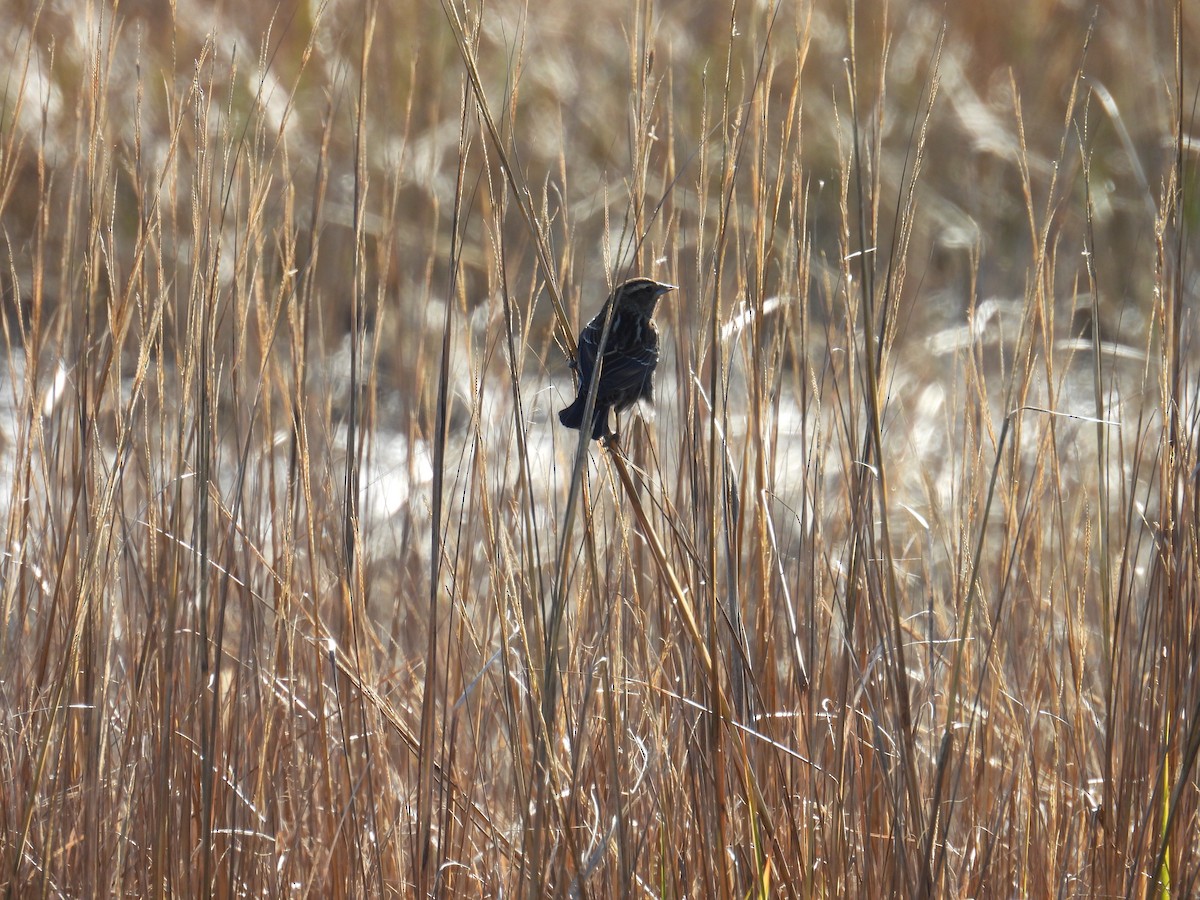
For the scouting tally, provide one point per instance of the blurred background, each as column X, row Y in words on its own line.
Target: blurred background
column 278, row 84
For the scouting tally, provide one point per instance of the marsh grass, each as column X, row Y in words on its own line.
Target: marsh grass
column 304, row 591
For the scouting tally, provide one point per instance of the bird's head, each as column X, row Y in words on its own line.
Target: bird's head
column 640, row 295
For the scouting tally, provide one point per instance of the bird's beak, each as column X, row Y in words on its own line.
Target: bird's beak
column 666, row 288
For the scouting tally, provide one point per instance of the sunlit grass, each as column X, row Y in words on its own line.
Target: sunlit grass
column 305, row 591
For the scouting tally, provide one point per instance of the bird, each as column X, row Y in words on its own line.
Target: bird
column 630, row 355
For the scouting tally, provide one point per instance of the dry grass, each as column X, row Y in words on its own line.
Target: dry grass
column 305, row 592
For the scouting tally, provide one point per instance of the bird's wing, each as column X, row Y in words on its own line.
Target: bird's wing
column 627, row 364
column 628, row 370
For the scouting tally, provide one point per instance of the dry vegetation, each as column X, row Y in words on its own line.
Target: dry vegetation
column 305, row 592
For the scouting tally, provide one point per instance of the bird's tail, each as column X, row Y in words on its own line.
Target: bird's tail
column 572, row 417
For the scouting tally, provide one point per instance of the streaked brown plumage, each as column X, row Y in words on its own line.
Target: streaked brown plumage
column 630, row 354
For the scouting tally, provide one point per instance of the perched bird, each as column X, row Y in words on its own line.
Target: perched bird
column 630, row 354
